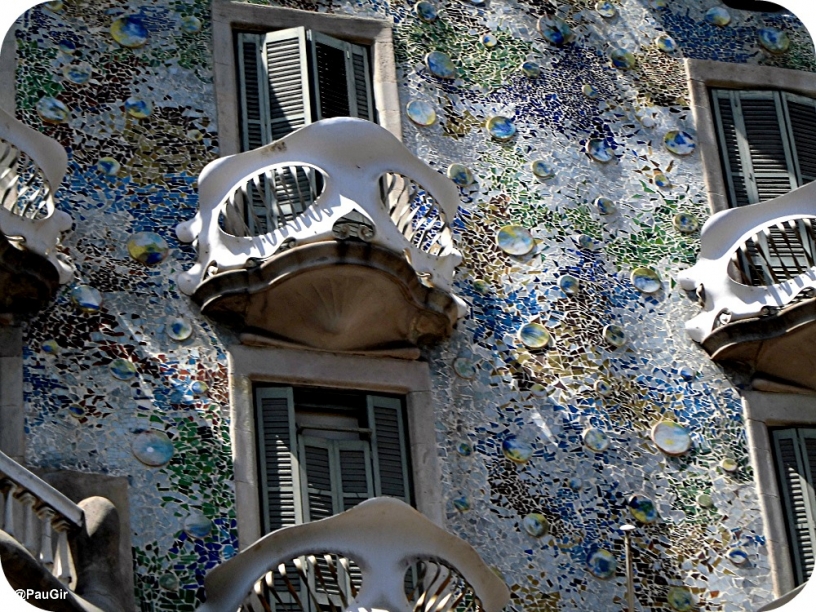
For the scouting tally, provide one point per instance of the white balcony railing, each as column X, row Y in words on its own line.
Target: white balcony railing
column 754, row 260
column 32, row 166
column 39, row 517
column 333, row 179
column 381, row 555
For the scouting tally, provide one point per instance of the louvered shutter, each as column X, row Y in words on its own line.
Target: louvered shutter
column 275, row 101
column 795, row 453
column 287, row 73
column 316, row 474
column 253, row 92
column 280, row 477
column 273, row 85
column 338, row 476
column 355, row 473
column 767, row 141
column 807, row 438
column 801, row 114
column 337, row 473
column 729, row 123
column 277, row 448
column 341, row 79
column 388, row 445
column 361, row 82
column 768, row 149
column 356, row 485
column 763, row 153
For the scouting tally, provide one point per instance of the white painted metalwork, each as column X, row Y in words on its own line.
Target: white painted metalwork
column 32, row 511
column 753, row 260
column 370, row 549
column 370, row 181
column 32, row 166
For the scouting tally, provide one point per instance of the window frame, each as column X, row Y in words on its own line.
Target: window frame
column 229, row 16
column 249, row 365
column 797, row 438
column 766, row 408
column 703, row 75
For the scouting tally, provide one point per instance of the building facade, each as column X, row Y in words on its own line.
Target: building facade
column 588, row 144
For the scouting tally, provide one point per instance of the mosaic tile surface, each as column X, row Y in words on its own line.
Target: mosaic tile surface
column 121, row 356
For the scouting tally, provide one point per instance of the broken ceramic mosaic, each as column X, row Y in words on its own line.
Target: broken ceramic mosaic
column 575, row 150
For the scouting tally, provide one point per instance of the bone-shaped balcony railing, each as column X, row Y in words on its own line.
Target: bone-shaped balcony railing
column 331, row 179
column 32, row 166
column 39, row 517
column 380, row 555
column 754, row 260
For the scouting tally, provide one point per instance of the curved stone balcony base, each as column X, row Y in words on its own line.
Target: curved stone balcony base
column 342, row 296
column 778, row 347
column 28, row 281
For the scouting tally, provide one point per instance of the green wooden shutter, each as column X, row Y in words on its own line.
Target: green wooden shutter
column 253, row 92
column 801, row 113
column 316, row 474
column 756, row 150
column 275, row 101
column 277, row 447
column 287, row 71
column 807, row 439
column 291, row 190
column 337, row 473
column 340, row 77
column 339, row 476
column 727, row 127
column 770, row 154
column 354, row 472
column 389, row 448
column 273, row 85
column 795, row 454
column 361, row 82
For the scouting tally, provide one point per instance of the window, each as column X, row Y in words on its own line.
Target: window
column 767, row 142
column 252, row 367
column 279, row 69
column 768, row 148
column 795, row 455
column 704, row 76
column 319, row 50
column 322, row 452
column 290, row 78
column 781, row 432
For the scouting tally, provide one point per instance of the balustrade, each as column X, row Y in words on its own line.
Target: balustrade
column 382, row 555
column 334, row 179
column 33, row 511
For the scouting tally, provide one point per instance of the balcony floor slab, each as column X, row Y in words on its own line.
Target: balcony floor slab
column 338, row 296
column 777, row 347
